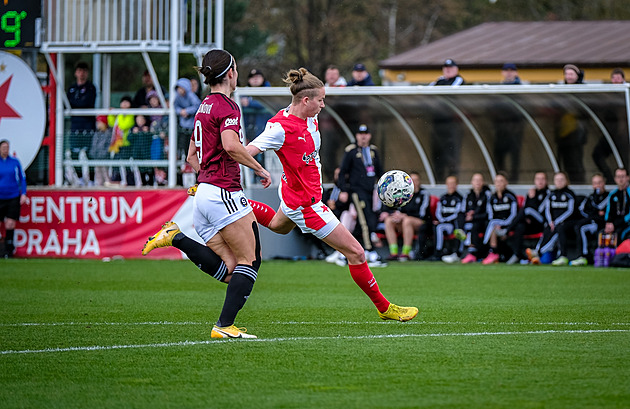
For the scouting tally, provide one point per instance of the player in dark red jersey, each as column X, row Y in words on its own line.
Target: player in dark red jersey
column 293, row 133
column 222, row 215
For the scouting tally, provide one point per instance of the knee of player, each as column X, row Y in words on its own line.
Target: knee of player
column 230, row 264
column 355, row 254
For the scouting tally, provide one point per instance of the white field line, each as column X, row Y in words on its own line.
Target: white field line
column 297, row 339
column 149, row 323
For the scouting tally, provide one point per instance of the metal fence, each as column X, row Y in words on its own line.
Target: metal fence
column 132, row 25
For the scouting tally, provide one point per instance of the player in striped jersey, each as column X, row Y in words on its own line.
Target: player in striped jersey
column 293, row 133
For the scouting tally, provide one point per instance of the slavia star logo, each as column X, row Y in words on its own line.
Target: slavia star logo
column 22, row 108
column 6, row 110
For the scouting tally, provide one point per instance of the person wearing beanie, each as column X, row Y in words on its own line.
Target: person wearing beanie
column 573, row 75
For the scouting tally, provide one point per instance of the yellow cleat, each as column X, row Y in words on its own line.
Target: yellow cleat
column 163, row 238
column 394, row 312
column 230, row 332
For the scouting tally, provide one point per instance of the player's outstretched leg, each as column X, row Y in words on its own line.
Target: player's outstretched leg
column 200, row 255
column 263, row 212
column 341, row 240
column 163, row 238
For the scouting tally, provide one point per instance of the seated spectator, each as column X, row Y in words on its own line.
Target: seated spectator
column 360, row 76
column 502, row 211
column 530, row 219
column 618, row 210
column 559, row 218
column 474, row 218
column 334, row 78
column 407, row 220
column 592, row 209
column 446, row 215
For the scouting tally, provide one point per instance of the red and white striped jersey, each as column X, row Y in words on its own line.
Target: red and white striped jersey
column 216, row 114
column 296, row 142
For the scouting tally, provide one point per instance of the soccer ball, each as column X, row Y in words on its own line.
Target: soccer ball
column 395, row 188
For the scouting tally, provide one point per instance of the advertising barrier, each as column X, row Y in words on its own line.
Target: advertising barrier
column 99, row 224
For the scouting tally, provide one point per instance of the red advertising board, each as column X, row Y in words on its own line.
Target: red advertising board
column 98, row 224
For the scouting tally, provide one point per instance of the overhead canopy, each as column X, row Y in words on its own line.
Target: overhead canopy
column 439, row 131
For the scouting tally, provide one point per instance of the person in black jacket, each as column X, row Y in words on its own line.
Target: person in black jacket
column 593, row 209
column 446, row 135
column 474, row 218
column 359, row 171
column 559, row 218
column 413, row 217
column 447, row 212
column 530, row 219
column 81, row 95
column 502, row 210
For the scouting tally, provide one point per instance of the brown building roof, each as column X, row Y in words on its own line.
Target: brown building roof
column 528, row 44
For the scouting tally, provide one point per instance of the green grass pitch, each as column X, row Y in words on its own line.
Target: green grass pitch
column 136, row 334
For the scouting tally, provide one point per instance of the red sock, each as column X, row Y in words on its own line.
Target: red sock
column 364, row 278
column 264, row 213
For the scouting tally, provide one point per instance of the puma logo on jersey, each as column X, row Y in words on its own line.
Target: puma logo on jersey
column 302, row 138
column 231, row 121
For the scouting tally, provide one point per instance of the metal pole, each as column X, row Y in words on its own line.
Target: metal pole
column 218, row 24
column 59, row 122
column 173, row 72
column 97, row 78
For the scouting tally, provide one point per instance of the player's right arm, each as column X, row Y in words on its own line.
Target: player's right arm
column 192, row 157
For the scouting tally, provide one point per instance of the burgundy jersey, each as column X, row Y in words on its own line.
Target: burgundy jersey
column 296, row 142
column 216, row 114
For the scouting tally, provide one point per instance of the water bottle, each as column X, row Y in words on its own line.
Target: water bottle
column 606, row 258
column 599, row 257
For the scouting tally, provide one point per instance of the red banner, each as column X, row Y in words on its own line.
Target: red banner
column 98, row 224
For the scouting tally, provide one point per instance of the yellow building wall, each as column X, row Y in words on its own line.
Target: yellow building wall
column 489, row 76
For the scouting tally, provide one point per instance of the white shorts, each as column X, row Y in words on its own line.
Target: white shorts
column 317, row 219
column 214, row 208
